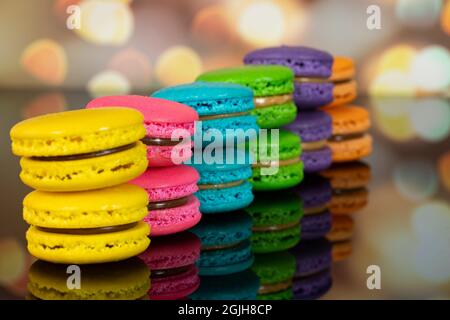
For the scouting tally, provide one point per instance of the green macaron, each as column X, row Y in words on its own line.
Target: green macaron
column 272, row 87
column 278, row 164
column 275, row 271
column 276, row 221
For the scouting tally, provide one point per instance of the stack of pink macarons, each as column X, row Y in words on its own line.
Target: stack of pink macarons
column 170, row 185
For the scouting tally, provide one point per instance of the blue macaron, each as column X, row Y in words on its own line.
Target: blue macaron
column 223, row 184
column 221, row 106
column 225, row 242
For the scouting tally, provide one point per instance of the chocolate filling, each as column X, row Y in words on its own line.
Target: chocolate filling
column 321, row 80
column 163, row 142
column 162, row 273
column 277, row 227
column 89, row 231
column 345, row 137
column 168, row 204
column 220, row 185
column 226, row 115
column 88, row 155
column 315, row 210
column 279, row 163
column 312, row 146
column 349, row 191
column 263, row 102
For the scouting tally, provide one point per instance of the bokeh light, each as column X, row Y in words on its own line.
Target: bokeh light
column 431, row 118
column 445, row 18
column 261, row 23
column 431, row 223
column 108, row 82
column 212, row 26
column 134, row 65
column 43, row 104
column 415, row 179
column 105, row 22
column 418, row 13
column 178, row 64
column 430, row 69
column 391, row 116
column 392, row 83
column 46, row 60
column 12, row 261
column 444, row 169
column 398, row 57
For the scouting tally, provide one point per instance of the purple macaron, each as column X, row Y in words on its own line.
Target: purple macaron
column 315, row 192
column 311, row 68
column 314, row 128
column 312, row 287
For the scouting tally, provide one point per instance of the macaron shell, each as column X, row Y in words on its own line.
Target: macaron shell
column 311, row 95
column 286, row 177
column 348, row 119
column 275, row 241
column 312, row 126
column 315, row 226
column 86, row 249
column 342, row 250
column 316, row 160
column 112, row 206
column 275, row 116
column 351, row 150
column 342, row 228
column 60, row 134
column 343, row 69
column 226, row 199
column 350, row 175
column 263, row 80
column 312, row 287
column 173, row 220
column 153, row 109
column 312, row 257
column 85, row 174
column 304, row 61
column 343, row 93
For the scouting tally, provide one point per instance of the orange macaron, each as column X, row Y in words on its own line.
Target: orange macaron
column 350, row 140
column 344, row 84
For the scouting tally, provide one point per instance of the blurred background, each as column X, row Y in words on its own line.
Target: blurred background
column 403, row 74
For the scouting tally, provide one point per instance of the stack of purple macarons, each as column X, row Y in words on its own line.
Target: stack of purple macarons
column 314, row 126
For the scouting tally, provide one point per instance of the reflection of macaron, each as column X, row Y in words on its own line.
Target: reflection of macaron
column 342, row 77
column 275, row 272
column 125, row 280
column 223, row 184
column 81, row 149
column 221, row 106
column 312, row 275
column 278, row 164
column 311, row 68
column 237, row 286
column 312, row 287
column 315, row 192
column 172, row 207
column 272, row 89
column 225, row 242
column 314, row 128
column 166, row 124
column 350, row 140
column 349, row 182
column 87, row 227
column 276, row 221
column 341, row 235
column 171, row 260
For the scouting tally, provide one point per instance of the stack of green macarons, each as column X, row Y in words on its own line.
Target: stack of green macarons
column 273, row 88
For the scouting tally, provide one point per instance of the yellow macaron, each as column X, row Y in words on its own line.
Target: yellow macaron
column 87, row 226
column 80, row 149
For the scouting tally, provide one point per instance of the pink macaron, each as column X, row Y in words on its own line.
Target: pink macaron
column 167, row 123
column 171, row 261
column 172, row 205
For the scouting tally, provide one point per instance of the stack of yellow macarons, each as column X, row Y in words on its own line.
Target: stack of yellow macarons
column 83, row 211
